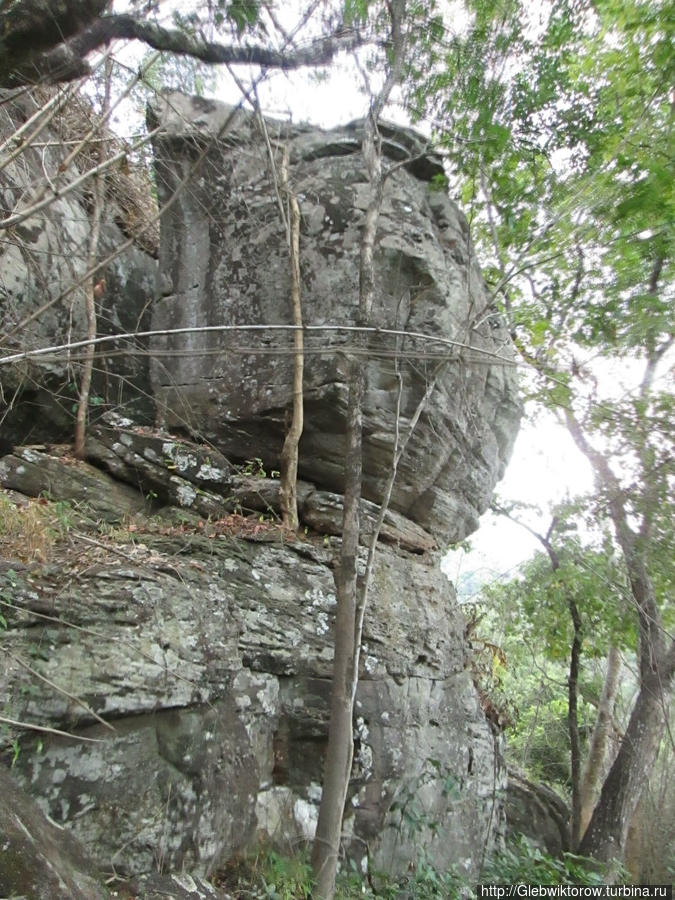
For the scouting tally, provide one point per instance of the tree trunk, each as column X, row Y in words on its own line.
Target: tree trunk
column 92, row 291
column 340, row 748
column 598, row 744
column 289, row 454
column 605, row 837
column 573, row 723
column 352, row 596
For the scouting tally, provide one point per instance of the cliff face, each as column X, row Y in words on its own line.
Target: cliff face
column 171, row 606
column 208, row 648
column 43, row 261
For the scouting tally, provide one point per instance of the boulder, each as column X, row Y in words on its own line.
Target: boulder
column 190, row 653
column 38, row 859
column 53, row 473
column 536, row 811
column 223, row 263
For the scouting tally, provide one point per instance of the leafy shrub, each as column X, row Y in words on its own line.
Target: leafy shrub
column 523, row 862
column 271, row 876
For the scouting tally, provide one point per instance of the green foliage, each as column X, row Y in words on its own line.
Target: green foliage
column 287, row 878
column 269, row 875
column 534, row 605
column 255, row 467
column 439, row 183
column 272, row 875
column 181, row 73
column 412, row 817
column 244, row 14
column 355, row 11
column 423, row 882
column 522, row 637
column 522, row 862
column 559, row 132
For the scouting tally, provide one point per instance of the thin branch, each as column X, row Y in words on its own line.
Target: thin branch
column 17, row 218
column 61, row 690
column 44, row 728
column 210, row 329
column 398, row 451
column 90, row 290
column 66, row 61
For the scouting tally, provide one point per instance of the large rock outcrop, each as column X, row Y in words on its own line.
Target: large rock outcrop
column 207, row 649
column 223, row 262
column 38, row 859
column 535, row 810
column 184, row 641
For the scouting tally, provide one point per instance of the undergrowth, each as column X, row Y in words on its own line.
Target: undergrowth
column 29, row 530
column 269, row 875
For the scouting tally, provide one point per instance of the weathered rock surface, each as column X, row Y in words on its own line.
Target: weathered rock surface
column 203, row 637
column 38, row 860
column 536, row 811
column 211, row 656
column 170, row 470
column 36, row 473
column 223, row 263
column 178, row 887
column 41, row 262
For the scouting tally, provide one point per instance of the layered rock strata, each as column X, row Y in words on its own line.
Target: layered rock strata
column 207, row 650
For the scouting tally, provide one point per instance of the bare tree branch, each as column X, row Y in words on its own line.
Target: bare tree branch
column 58, row 53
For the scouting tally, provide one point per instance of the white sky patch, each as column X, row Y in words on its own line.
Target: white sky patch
column 545, row 469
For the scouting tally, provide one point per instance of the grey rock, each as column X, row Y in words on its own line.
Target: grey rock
column 536, row 811
column 38, row 472
column 211, row 657
column 178, row 471
column 166, row 468
column 323, row 511
column 222, row 250
column 38, row 860
column 209, row 654
column 40, row 261
column 176, row 887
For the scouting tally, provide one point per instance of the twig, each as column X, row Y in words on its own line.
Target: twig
column 45, row 728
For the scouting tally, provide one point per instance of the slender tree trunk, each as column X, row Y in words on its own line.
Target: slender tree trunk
column 573, row 723
column 340, row 748
column 289, row 454
column 572, row 679
column 605, row 836
column 598, row 744
column 351, row 596
column 92, row 291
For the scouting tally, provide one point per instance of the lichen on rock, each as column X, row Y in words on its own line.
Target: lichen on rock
column 223, row 253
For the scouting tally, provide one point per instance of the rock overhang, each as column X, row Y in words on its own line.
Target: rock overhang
column 223, row 254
